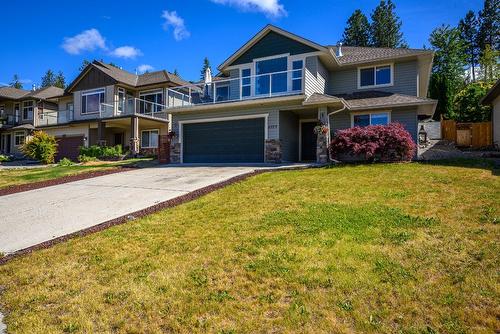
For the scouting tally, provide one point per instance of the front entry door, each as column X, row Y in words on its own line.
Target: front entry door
column 308, row 141
column 119, row 139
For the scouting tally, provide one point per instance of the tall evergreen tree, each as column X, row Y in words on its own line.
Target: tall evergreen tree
column 206, row 64
column 447, row 68
column 386, row 26
column 468, row 27
column 176, row 72
column 489, row 25
column 489, row 64
column 84, row 64
column 357, row 31
column 16, row 82
column 48, row 79
column 60, row 80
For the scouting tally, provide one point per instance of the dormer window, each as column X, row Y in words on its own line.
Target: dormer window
column 375, row 76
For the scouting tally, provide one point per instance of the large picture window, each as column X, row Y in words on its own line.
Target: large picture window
column 379, row 118
column 151, row 102
column 375, row 76
column 91, row 101
column 271, row 83
column 28, row 110
column 149, row 139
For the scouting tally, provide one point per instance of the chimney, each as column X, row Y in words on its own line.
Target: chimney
column 339, row 50
column 33, row 87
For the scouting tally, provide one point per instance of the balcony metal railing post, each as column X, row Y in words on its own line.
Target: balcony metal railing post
column 213, row 97
column 270, row 85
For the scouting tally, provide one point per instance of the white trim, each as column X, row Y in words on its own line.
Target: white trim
column 391, row 65
column 97, row 91
column 32, row 110
column 94, row 91
column 300, row 55
column 149, row 130
column 305, row 120
column 388, row 112
column 23, row 134
column 221, row 119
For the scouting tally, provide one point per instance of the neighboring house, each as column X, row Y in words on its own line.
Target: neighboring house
column 273, row 91
column 18, row 110
column 109, row 106
column 493, row 99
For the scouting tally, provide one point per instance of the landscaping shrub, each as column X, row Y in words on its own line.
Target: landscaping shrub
column 65, row 162
column 4, row 158
column 468, row 103
column 375, row 142
column 85, row 158
column 100, row 152
column 41, row 147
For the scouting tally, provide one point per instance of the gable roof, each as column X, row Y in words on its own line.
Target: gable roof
column 41, row 93
column 492, row 94
column 129, row 79
column 261, row 34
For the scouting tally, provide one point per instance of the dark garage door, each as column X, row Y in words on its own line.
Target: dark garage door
column 69, row 147
column 225, row 141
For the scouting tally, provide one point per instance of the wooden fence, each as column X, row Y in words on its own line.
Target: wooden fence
column 467, row 134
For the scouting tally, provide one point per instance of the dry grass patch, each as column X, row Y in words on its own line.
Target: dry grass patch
column 401, row 248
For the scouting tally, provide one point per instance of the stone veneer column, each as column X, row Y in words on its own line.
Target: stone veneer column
column 175, row 151
column 273, row 151
column 321, row 149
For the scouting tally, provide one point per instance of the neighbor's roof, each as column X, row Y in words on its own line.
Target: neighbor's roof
column 131, row 79
column 358, row 54
column 375, row 99
column 492, row 93
column 41, row 93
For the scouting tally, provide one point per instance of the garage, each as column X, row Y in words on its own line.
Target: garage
column 69, row 147
column 232, row 141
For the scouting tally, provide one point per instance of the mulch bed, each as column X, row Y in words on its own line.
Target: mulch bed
column 134, row 215
column 65, row 179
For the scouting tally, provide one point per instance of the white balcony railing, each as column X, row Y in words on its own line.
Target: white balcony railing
column 244, row 88
column 127, row 107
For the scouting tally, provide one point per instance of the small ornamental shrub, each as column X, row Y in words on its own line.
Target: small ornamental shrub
column 4, row 158
column 85, row 158
column 375, row 142
column 41, row 147
column 65, row 162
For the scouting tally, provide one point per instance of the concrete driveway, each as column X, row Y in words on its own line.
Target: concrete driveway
column 32, row 217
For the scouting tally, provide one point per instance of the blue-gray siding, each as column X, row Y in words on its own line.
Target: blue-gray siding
column 315, row 76
column 405, row 80
column 270, row 45
column 289, row 136
column 405, row 116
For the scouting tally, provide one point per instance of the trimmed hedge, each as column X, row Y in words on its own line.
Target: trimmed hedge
column 99, row 152
column 390, row 142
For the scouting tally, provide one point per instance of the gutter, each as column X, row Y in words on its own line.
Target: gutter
column 329, row 129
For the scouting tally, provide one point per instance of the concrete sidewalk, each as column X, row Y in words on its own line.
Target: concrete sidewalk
column 32, row 217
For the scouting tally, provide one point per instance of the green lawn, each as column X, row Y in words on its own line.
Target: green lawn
column 397, row 248
column 9, row 177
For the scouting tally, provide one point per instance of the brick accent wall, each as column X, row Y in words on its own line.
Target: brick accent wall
column 163, row 149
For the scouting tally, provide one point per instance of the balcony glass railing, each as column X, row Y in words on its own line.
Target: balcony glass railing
column 245, row 88
column 10, row 120
column 130, row 107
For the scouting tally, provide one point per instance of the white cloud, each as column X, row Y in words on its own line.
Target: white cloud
column 177, row 22
column 272, row 8
column 127, row 52
column 88, row 40
column 144, row 68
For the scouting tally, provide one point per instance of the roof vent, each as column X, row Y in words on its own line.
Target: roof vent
column 339, row 50
column 33, row 87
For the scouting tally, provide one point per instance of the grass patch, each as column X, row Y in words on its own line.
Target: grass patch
column 398, row 248
column 11, row 177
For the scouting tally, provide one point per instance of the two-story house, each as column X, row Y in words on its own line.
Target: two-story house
column 18, row 114
column 273, row 91
column 109, row 106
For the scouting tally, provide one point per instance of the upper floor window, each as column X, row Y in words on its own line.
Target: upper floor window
column 246, row 82
column 151, row 102
column 375, row 76
column 28, row 110
column 297, row 66
column 365, row 119
column 121, row 99
column 91, row 101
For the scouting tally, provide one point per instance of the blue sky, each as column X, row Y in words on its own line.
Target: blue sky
column 178, row 34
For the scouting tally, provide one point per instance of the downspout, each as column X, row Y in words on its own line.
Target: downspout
column 329, row 129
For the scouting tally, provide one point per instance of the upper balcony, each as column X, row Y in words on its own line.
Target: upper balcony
column 8, row 120
column 123, row 108
column 246, row 87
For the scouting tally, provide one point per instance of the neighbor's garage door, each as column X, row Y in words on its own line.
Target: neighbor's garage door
column 224, row 141
column 69, row 147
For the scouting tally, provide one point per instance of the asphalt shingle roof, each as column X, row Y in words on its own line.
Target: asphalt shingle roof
column 356, row 54
column 12, row 93
column 373, row 99
column 41, row 93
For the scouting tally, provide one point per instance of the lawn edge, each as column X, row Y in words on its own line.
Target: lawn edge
column 137, row 214
column 14, row 189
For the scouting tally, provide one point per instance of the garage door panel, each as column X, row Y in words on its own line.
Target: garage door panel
column 68, row 147
column 224, row 141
